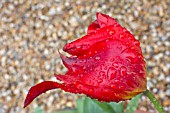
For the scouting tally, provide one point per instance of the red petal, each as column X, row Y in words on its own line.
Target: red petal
column 93, row 27
column 105, row 20
column 37, row 90
column 42, row 87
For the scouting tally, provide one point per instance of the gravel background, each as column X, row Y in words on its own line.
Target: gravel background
column 31, row 31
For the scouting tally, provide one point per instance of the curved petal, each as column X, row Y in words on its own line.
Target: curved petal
column 37, row 90
column 105, row 20
column 93, row 27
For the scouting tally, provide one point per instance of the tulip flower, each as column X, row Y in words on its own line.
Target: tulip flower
column 106, row 64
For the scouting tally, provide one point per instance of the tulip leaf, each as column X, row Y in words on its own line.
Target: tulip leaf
column 104, row 106
column 38, row 110
column 117, row 107
column 67, row 111
column 93, row 106
column 132, row 106
column 80, row 105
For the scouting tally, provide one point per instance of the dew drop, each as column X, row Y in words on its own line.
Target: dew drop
column 78, row 47
column 133, row 58
column 121, row 36
column 117, row 95
column 111, row 73
column 123, row 71
column 102, row 73
column 131, row 55
column 137, row 43
column 91, row 91
column 122, row 87
column 113, row 86
column 84, row 61
column 130, row 38
column 99, row 80
column 81, row 75
column 116, row 25
column 132, row 48
column 97, row 58
column 141, row 72
column 115, row 64
column 127, row 43
column 112, row 59
column 111, row 32
column 117, row 81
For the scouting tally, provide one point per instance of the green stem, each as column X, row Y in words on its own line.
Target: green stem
column 154, row 101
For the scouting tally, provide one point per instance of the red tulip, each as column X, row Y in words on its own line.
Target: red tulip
column 106, row 64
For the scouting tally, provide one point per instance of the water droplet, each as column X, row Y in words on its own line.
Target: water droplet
column 141, row 72
column 123, row 71
column 133, row 58
column 81, row 75
column 130, row 38
column 117, row 81
column 112, row 59
column 137, row 43
column 84, row 67
column 78, row 47
column 121, row 36
column 116, row 25
column 84, row 61
column 127, row 43
column 99, row 80
column 131, row 55
column 115, row 64
column 125, row 30
column 113, row 86
column 111, row 73
column 102, row 73
column 97, row 58
column 122, row 87
column 117, row 95
column 111, row 32
column 105, row 67
column 132, row 48
column 91, row 91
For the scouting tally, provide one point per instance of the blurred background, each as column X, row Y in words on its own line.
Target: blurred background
column 31, row 32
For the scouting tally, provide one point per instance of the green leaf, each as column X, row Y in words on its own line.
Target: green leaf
column 132, row 106
column 38, row 110
column 117, row 107
column 80, row 105
column 104, row 106
column 93, row 106
column 67, row 111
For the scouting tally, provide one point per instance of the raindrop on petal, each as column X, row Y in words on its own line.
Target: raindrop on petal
column 97, row 58
column 113, row 86
column 115, row 64
column 99, row 80
column 111, row 32
column 137, row 43
column 102, row 73
column 111, row 73
column 91, row 91
column 123, row 71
